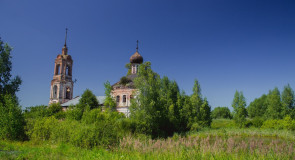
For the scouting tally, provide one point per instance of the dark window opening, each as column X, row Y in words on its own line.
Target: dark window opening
column 68, row 93
column 68, row 71
column 57, row 69
column 118, row 99
column 55, row 92
column 124, row 98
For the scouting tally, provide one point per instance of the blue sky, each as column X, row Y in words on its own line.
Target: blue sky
column 228, row 45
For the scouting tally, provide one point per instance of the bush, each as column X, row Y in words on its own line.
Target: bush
column 101, row 129
column 11, row 119
column 257, row 122
column 221, row 112
column 196, row 127
column 35, row 112
column 286, row 123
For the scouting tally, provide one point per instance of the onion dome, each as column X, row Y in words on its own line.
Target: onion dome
column 136, row 58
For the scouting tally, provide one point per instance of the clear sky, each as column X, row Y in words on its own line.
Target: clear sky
column 228, row 45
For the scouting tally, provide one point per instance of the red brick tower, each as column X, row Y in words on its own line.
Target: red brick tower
column 61, row 89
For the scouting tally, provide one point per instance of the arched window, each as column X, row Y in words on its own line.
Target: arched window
column 55, row 92
column 68, row 71
column 124, row 98
column 68, row 93
column 118, row 99
column 57, row 69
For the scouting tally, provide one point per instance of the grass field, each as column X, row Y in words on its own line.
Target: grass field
column 214, row 143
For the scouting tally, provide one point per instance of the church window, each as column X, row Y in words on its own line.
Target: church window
column 57, row 69
column 68, row 93
column 55, row 91
column 124, row 98
column 68, row 71
column 118, row 99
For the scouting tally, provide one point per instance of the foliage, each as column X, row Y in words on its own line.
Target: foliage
column 205, row 118
column 286, row 123
column 11, row 119
column 36, row 112
column 258, row 107
column 221, row 112
column 275, row 108
column 109, row 101
column 54, row 109
column 96, row 128
column 124, row 80
column 257, row 122
column 8, row 85
column 240, row 112
column 88, row 101
column 231, row 143
column 160, row 109
column 128, row 66
column 222, row 123
column 288, row 101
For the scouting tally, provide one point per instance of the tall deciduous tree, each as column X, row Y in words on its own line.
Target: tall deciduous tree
column 258, row 107
column 8, row 85
column 11, row 117
column 240, row 112
column 288, row 101
column 88, row 100
column 274, row 106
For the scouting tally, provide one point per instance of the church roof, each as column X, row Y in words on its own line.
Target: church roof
column 136, row 58
column 131, row 77
column 75, row 101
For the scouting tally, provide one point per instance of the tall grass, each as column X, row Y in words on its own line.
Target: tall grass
column 231, row 143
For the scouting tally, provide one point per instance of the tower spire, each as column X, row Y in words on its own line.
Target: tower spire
column 66, row 37
column 137, row 46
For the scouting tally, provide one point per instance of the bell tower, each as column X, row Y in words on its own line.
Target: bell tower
column 61, row 89
column 135, row 60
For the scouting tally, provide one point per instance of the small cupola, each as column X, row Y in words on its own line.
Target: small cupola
column 136, row 57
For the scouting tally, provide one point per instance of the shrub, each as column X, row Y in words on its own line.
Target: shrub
column 221, row 112
column 53, row 109
column 35, row 112
column 11, row 119
column 286, row 123
column 196, row 127
column 257, row 122
column 96, row 128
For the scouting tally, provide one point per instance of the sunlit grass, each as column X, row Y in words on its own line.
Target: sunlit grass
column 228, row 143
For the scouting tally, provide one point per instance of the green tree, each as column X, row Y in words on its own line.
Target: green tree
column 239, row 106
column 11, row 117
column 8, row 85
column 205, row 114
column 146, row 109
column 288, row 101
column 88, row 100
column 258, row 107
column 221, row 112
column 196, row 102
column 274, row 105
column 109, row 101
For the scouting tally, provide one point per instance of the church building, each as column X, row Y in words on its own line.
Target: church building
column 123, row 91
column 61, row 89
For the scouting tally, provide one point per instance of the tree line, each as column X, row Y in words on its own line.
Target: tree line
column 158, row 109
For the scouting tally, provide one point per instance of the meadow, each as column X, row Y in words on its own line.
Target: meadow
column 222, row 141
